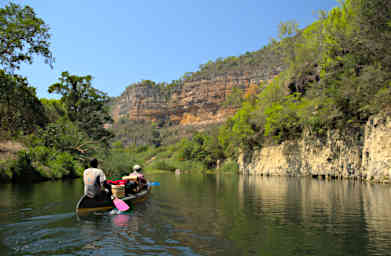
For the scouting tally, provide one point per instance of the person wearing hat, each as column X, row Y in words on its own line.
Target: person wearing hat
column 137, row 171
column 137, row 168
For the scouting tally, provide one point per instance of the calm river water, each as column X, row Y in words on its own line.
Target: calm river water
column 203, row 215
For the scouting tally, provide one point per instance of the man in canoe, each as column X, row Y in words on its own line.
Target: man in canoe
column 94, row 181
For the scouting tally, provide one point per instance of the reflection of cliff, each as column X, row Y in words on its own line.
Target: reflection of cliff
column 310, row 199
column 376, row 208
column 323, row 209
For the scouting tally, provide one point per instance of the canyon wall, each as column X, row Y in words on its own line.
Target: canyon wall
column 194, row 103
column 360, row 154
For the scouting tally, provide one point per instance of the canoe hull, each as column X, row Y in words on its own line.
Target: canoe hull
column 87, row 204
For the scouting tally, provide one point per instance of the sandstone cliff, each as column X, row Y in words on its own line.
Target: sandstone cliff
column 364, row 155
column 195, row 102
column 197, row 97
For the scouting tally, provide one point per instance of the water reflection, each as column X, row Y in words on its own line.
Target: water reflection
column 197, row 214
column 350, row 215
column 121, row 220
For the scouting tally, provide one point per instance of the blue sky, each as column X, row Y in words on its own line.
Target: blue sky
column 124, row 41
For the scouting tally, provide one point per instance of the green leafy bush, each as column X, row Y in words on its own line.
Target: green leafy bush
column 5, row 171
column 22, row 167
column 229, row 165
column 165, row 165
column 64, row 165
column 117, row 164
column 45, row 163
column 195, row 166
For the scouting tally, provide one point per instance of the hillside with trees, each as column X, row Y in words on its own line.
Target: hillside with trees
column 334, row 75
column 337, row 75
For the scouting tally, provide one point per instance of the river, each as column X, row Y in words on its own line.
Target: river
column 194, row 214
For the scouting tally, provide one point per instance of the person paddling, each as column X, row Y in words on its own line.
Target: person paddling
column 94, row 181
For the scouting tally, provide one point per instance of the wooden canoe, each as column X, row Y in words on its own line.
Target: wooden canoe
column 87, row 204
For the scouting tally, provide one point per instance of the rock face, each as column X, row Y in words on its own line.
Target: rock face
column 349, row 155
column 8, row 149
column 376, row 153
column 193, row 103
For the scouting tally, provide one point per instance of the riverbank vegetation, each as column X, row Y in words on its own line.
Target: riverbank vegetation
column 336, row 74
column 58, row 136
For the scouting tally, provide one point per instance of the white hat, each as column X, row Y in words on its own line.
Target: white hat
column 136, row 167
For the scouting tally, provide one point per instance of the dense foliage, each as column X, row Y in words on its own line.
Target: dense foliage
column 85, row 105
column 259, row 64
column 22, row 36
column 20, row 109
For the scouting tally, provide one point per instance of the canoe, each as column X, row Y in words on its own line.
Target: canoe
column 87, row 204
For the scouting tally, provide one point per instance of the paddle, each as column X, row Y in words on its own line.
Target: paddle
column 120, row 205
column 154, row 184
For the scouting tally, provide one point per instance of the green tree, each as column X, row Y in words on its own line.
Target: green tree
column 234, row 99
column 20, row 109
column 65, row 136
column 287, row 34
column 85, row 105
column 282, row 120
column 226, row 140
column 287, row 29
column 22, row 35
column 54, row 109
column 242, row 128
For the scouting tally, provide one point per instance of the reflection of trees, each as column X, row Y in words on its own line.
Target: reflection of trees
column 324, row 212
column 41, row 196
column 193, row 211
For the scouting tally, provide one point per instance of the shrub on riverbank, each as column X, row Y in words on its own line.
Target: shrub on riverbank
column 5, row 172
column 56, row 165
column 172, row 165
column 117, row 163
column 229, row 165
column 164, row 164
column 40, row 163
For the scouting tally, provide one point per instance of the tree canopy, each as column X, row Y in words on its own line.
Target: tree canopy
column 20, row 109
column 22, row 35
column 85, row 105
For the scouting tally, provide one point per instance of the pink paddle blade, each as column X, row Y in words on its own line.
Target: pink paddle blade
column 121, row 205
